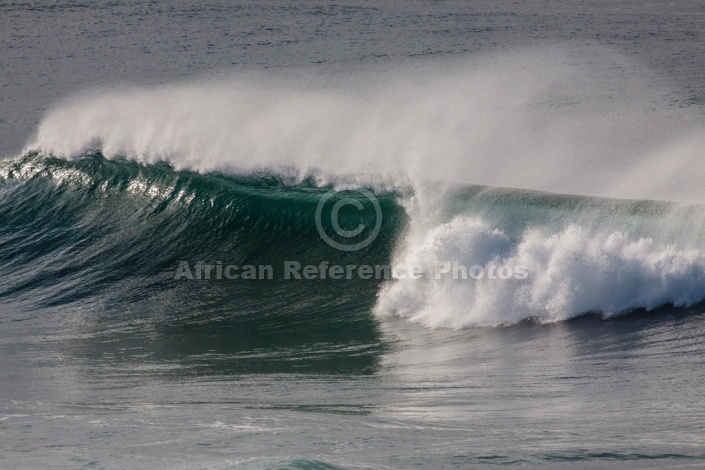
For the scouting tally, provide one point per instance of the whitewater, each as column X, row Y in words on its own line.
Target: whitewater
column 424, row 132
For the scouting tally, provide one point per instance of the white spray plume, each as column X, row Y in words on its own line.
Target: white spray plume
column 590, row 123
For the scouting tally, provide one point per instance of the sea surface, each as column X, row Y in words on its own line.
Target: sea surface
column 352, row 235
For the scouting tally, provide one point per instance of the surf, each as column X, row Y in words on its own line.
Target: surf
column 523, row 159
column 121, row 226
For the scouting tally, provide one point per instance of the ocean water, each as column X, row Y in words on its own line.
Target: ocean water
column 352, row 235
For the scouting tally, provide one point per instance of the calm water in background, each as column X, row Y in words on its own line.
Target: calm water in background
column 50, row 50
column 148, row 377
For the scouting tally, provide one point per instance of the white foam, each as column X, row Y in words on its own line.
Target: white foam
column 585, row 265
column 558, row 120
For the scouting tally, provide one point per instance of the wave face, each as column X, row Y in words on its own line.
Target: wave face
column 113, row 232
column 99, row 241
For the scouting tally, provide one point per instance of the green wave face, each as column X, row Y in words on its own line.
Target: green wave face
column 112, row 233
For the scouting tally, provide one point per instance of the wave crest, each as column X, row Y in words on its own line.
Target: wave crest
column 572, row 267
